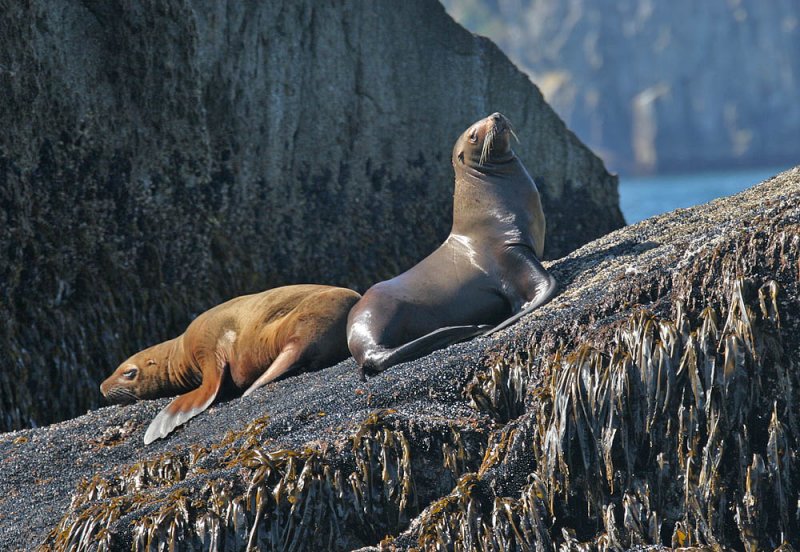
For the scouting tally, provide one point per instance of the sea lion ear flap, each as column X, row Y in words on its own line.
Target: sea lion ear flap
column 179, row 411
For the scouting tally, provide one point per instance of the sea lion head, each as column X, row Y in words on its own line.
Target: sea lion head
column 485, row 144
column 142, row 376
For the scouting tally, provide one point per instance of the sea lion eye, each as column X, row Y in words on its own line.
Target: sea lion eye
column 130, row 373
column 473, row 136
column 151, row 362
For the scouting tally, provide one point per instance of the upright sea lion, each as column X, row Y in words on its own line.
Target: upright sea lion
column 484, row 277
column 254, row 339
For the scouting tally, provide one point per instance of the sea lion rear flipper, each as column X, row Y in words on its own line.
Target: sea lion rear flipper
column 535, row 285
column 378, row 361
column 182, row 409
column 284, row 362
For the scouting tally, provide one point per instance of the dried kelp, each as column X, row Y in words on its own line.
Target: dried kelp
column 681, row 432
column 278, row 500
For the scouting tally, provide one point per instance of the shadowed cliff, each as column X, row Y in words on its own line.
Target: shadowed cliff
column 157, row 158
column 654, row 401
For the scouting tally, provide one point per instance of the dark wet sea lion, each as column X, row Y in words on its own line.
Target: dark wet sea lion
column 483, row 278
column 252, row 339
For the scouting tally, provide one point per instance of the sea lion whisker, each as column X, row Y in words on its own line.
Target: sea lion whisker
column 120, row 395
column 487, row 145
column 120, row 392
column 514, row 134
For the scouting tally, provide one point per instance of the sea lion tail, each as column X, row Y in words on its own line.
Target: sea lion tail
column 179, row 411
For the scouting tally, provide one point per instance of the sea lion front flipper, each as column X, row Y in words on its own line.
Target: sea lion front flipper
column 380, row 360
column 183, row 408
column 283, row 363
column 534, row 285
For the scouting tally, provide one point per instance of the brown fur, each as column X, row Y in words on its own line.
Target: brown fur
column 254, row 339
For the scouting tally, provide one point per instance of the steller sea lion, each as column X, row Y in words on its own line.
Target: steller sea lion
column 483, row 278
column 252, row 339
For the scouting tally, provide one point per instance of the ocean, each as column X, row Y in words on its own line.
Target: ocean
column 643, row 197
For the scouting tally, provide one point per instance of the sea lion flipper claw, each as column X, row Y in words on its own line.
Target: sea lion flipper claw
column 282, row 364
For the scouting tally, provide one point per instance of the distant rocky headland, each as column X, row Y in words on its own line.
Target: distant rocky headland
column 660, row 86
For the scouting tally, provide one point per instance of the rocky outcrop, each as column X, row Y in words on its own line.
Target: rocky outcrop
column 654, row 401
column 159, row 157
column 660, row 86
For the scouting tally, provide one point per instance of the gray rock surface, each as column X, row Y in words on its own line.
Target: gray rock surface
column 660, row 85
column 654, row 401
column 159, row 157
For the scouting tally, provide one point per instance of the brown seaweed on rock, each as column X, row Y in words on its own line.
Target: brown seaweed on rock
column 676, row 426
column 278, row 499
column 649, row 437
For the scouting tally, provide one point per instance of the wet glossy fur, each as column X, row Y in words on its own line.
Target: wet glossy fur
column 484, row 277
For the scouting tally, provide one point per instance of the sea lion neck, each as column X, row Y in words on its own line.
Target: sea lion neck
column 179, row 374
column 492, row 206
column 505, row 165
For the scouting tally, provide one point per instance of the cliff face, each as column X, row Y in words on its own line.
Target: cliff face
column 660, row 85
column 654, row 401
column 158, row 158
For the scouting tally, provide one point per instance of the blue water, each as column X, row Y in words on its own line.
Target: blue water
column 643, row 197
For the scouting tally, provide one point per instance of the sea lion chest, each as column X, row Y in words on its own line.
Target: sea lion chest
column 496, row 210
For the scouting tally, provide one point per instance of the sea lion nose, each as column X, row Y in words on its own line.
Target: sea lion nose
column 499, row 120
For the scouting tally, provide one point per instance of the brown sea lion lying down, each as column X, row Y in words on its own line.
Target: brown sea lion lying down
column 252, row 339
